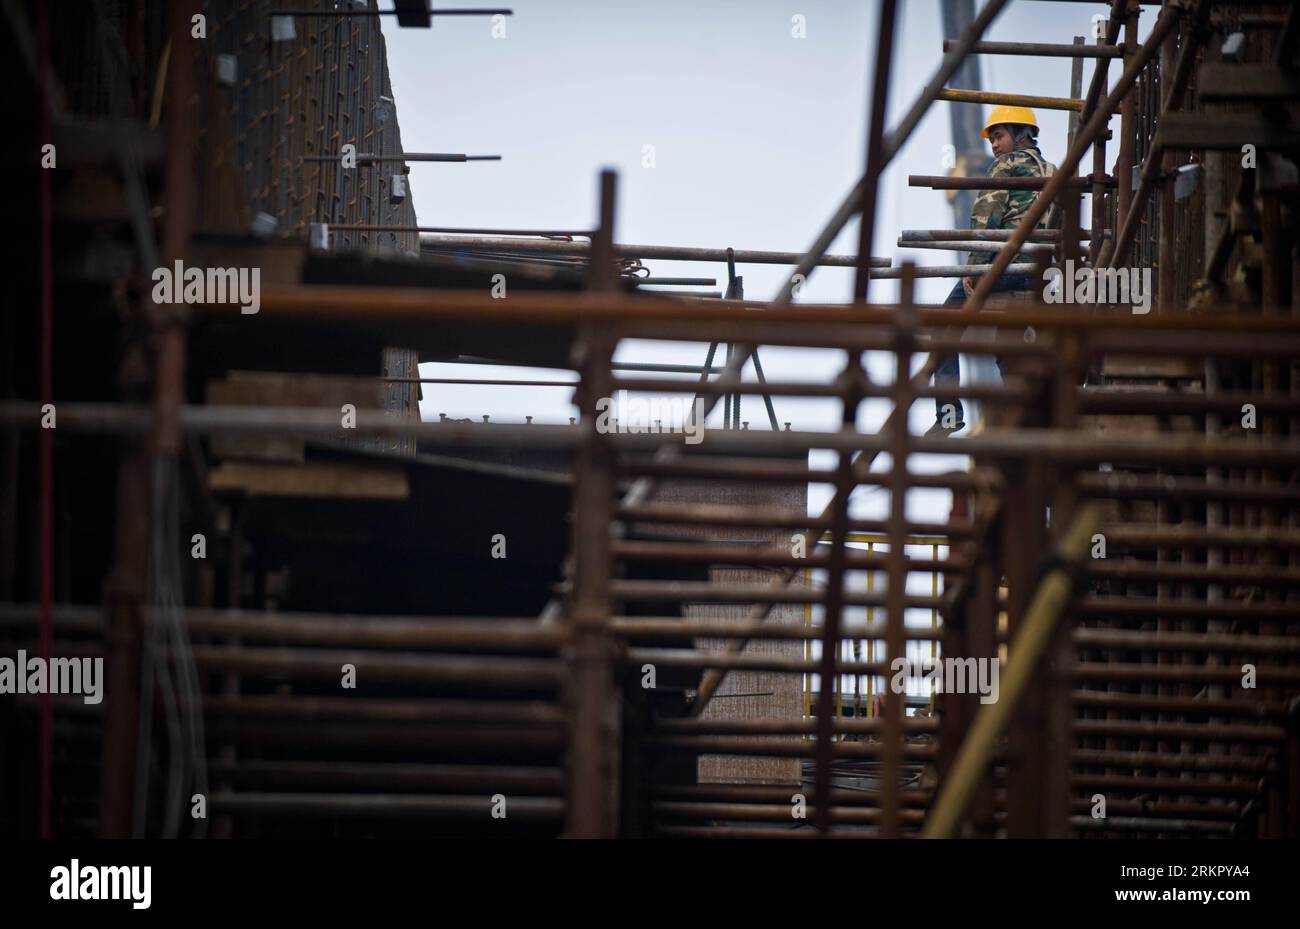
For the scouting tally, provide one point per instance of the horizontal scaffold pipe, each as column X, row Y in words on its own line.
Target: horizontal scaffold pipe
column 944, row 182
column 459, row 230
column 1042, row 49
column 1060, row 445
column 996, row 98
column 455, row 633
column 982, row 235
column 973, row 246
column 918, row 271
column 400, row 806
column 327, row 302
column 661, row 252
column 367, row 158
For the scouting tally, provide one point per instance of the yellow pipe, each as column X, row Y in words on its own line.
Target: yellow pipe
column 934, row 617
column 995, row 98
column 871, row 643
column 1050, row 600
column 807, row 650
column 836, row 685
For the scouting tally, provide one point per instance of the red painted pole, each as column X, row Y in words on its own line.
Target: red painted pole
column 46, row 727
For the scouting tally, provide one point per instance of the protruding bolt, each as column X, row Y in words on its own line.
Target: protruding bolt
column 264, row 225
column 744, row 425
column 485, row 417
column 529, row 420
column 787, row 427
column 572, row 421
column 442, row 417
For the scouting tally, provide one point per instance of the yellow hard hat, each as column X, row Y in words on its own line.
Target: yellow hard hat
column 1019, row 115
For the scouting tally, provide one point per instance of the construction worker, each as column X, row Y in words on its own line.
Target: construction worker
column 1012, row 132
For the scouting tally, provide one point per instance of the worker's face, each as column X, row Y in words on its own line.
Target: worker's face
column 1001, row 140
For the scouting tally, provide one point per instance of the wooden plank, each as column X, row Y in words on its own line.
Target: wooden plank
column 271, row 388
column 84, row 140
column 279, row 262
column 335, row 480
column 1227, row 82
column 1199, row 131
column 1152, row 366
column 275, row 388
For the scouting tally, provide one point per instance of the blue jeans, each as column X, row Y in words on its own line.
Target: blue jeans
column 949, row 370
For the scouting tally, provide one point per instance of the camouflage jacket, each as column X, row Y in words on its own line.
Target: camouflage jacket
column 1003, row 209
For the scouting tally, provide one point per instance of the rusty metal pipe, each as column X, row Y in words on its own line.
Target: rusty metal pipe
column 1158, row 810
column 1235, row 733
column 1201, row 536
column 996, row 98
column 944, row 182
column 1044, row 49
column 762, row 553
column 1017, row 390
column 748, row 793
column 476, row 739
column 327, row 709
column 1161, row 785
column 325, row 664
column 693, row 658
column 627, row 250
column 705, row 514
column 1184, row 674
column 778, row 747
column 706, row 592
column 397, row 776
column 388, row 806
column 980, row 235
column 1255, row 709
column 1134, row 486
column 456, row 230
column 1030, row 248
column 1137, row 401
column 1180, row 608
column 1111, row 569
column 1187, row 641
column 636, row 627
column 1170, row 761
column 367, row 304
column 783, row 472
column 1148, row 825
column 694, row 725
column 777, row 812
column 478, row 634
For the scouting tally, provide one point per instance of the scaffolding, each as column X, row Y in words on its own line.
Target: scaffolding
column 1121, row 546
